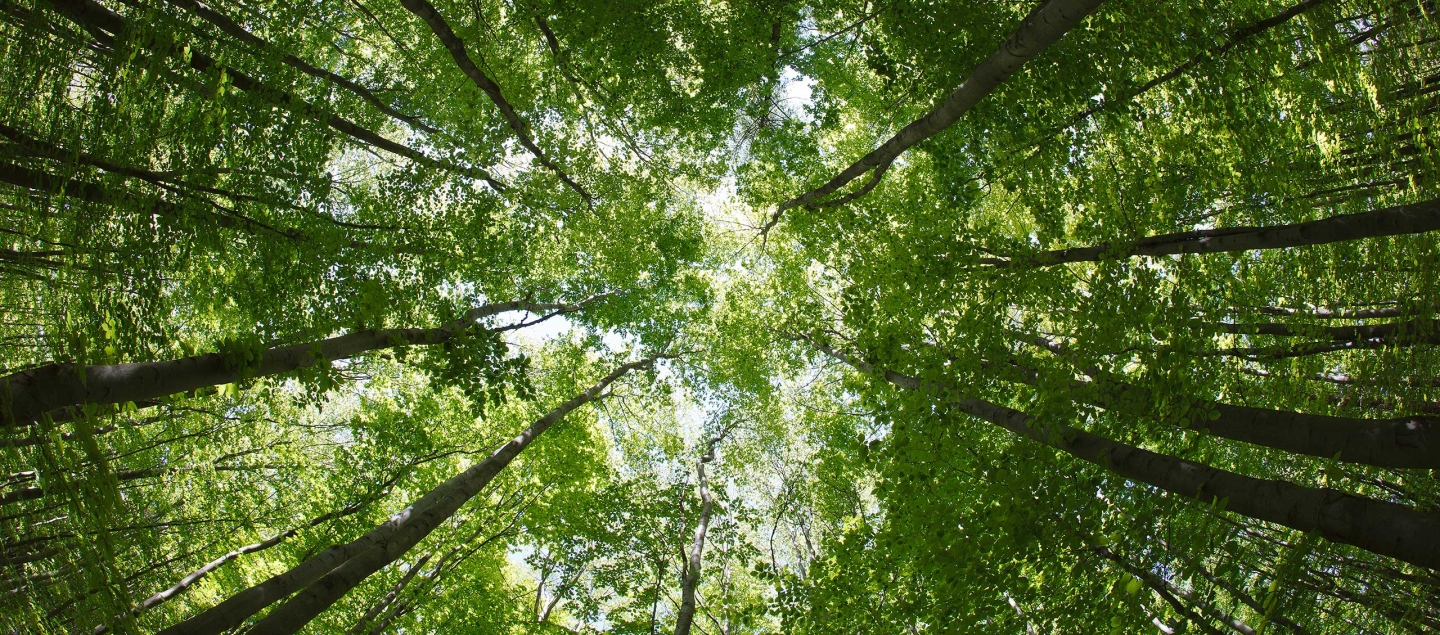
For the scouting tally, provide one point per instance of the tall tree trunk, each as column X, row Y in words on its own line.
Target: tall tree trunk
column 427, row 12
column 27, row 395
column 690, row 578
column 1376, row 526
column 1415, row 218
column 96, row 18
column 47, row 183
column 1043, row 27
column 1406, row 442
column 1237, row 38
column 232, row 28
column 328, row 576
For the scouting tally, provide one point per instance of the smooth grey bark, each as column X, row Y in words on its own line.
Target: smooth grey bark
column 27, row 395
column 1173, row 594
column 1404, row 442
column 1375, row 526
column 415, row 523
column 47, row 183
column 1415, row 218
column 1236, row 39
column 1395, row 331
column 427, row 12
column 100, row 20
column 1039, row 30
column 233, row 29
column 690, row 578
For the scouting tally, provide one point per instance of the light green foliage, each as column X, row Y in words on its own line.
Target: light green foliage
column 155, row 206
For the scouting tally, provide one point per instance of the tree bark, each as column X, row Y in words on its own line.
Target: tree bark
column 51, row 184
column 427, row 12
column 27, row 395
column 1394, row 331
column 1375, row 526
column 1236, row 39
column 1415, row 218
column 97, row 18
column 232, row 28
column 690, row 578
column 412, row 525
column 1040, row 29
column 195, row 576
column 1404, row 442
column 1176, row 593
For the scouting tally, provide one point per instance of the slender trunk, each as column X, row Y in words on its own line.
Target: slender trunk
column 1407, row 442
column 1395, row 331
column 47, row 183
column 100, row 20
column 1174, row 594
column 235, row 30
column 195, row 576
column 29, row 394
column 690, row 579
column 1334, row 314
column 1039, row 30
column 427, row 12
column 1404, row 442
column 1239, row 37
column 1415, row 218
column 1255, row 605
column 42, row 149
column 390, row 597
column 1376, row 526
column 325, row 578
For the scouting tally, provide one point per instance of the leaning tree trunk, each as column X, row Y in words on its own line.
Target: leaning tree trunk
column 99, row 20
column 235, row 30
column 1376, row 526
column 1415, row 218
column 690, row 579
column 325, row 578
column 1043, row 27
column 27, row 395
column 1404, row 442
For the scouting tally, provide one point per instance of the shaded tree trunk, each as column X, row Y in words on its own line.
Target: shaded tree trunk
column 100, row 20
column 232, row 28
column 1407, row 442
column 427, row 12
column 1043, row 27
column 328, row 576
column 29, row 394
column 690, row 578
column 1376, row 526
column 1415, row 218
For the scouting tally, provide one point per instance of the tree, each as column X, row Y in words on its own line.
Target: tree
column 953, row 317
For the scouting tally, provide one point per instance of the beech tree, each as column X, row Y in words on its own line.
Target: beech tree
column 385, row 316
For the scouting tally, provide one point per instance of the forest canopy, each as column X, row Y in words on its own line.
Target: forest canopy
column 719, row 318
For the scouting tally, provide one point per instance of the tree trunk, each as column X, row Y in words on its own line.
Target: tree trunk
column 1415, row 218
column 1236, row 39
column 690, row 579
column 97, row 18
column 427, row 12
column 31, row 393
column 1376, row 526
column 328, row 576
column 1405, row 442
column 232, row 28
column 1043, row 27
